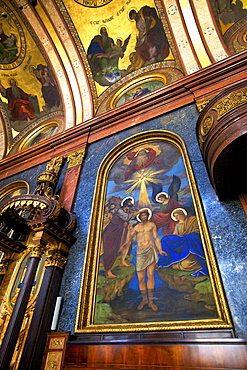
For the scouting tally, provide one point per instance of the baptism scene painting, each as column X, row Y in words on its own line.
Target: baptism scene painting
column 151, row 261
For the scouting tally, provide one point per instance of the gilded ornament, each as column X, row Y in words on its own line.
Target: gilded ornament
column 206, row 124
column 56, row 343
column 55, row 260
column 76, row 158
column 201, row 105
column 55, row 165
column 93, row 3
column 36, row 251
column 231, row 102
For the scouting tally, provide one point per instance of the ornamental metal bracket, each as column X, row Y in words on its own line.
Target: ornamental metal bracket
column 27, row 213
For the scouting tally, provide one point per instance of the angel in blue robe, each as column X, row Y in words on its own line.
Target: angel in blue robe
column 184, row 247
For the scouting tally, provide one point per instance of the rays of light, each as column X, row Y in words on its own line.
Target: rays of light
column 140, row 180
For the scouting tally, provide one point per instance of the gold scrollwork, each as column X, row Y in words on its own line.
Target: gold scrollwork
column 231, row 102
column 76, row 158
column 206, row 124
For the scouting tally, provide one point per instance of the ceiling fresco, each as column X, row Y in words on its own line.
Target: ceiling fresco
column 64, row 62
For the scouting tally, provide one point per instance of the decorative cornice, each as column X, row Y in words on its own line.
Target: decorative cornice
column 76, row 158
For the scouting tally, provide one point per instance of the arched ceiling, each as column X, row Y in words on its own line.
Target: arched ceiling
column 75, row 59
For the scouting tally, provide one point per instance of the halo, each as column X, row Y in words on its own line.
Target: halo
column 157, row 196
column 178, row 209
column 144, row 209
column 129, row 197
column 142, row 149
column 132, row 20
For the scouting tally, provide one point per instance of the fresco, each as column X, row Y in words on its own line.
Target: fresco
column 138, row 91
column 151, row 46
column 152, row 266
column 28, row 89
column 231, row 11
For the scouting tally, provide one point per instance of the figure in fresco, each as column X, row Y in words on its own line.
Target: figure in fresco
column 139, row 160
column 18, row 102
column 106, row 220
column 49, row 89
column 151, row 42
column 230, row 11
column 162, row 218
column 135, row 62
column 148, row 247
column 103, row 56
column 140, row 91
column 115, row 233
column 8, row 49
column 184, row 249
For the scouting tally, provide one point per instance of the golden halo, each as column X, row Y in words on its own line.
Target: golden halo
column 103, row 26
column 144, row 209
column 178, row 209
column 132, row 20
column 157, row 196
column 129, row 197
column 142, row 149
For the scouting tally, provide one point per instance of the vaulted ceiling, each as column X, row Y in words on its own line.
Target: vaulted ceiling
column 73, row 60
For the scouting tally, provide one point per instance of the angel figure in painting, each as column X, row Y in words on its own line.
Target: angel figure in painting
column 148, row 248
column 184, row 249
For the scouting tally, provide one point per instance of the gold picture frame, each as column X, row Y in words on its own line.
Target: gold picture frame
column 87, row 322
column 35, row 136
column 137, row 83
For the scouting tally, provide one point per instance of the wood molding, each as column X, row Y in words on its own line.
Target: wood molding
column 195, row 87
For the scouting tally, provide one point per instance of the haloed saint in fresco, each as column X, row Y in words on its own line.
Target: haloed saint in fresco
column 152, row 264
column 151, row 46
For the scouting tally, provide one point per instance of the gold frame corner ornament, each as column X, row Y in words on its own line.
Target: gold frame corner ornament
column 86, row 306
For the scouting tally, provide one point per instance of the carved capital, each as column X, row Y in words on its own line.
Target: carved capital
column 76, row 158
column 36, row 251
column 56, row 260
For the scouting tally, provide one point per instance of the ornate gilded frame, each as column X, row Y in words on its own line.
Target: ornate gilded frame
column 27, row 140
column 132, row 85
column 86, row 306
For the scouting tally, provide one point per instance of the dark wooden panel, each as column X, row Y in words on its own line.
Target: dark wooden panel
column 197, row 354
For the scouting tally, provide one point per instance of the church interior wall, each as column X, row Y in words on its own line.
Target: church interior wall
column 226, row 220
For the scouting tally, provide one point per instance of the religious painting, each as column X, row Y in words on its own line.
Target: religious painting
column 139, row 90
column 39, row 135
column 12, row 40
column 149, row 263
column 141, row 41
column 231, row 16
